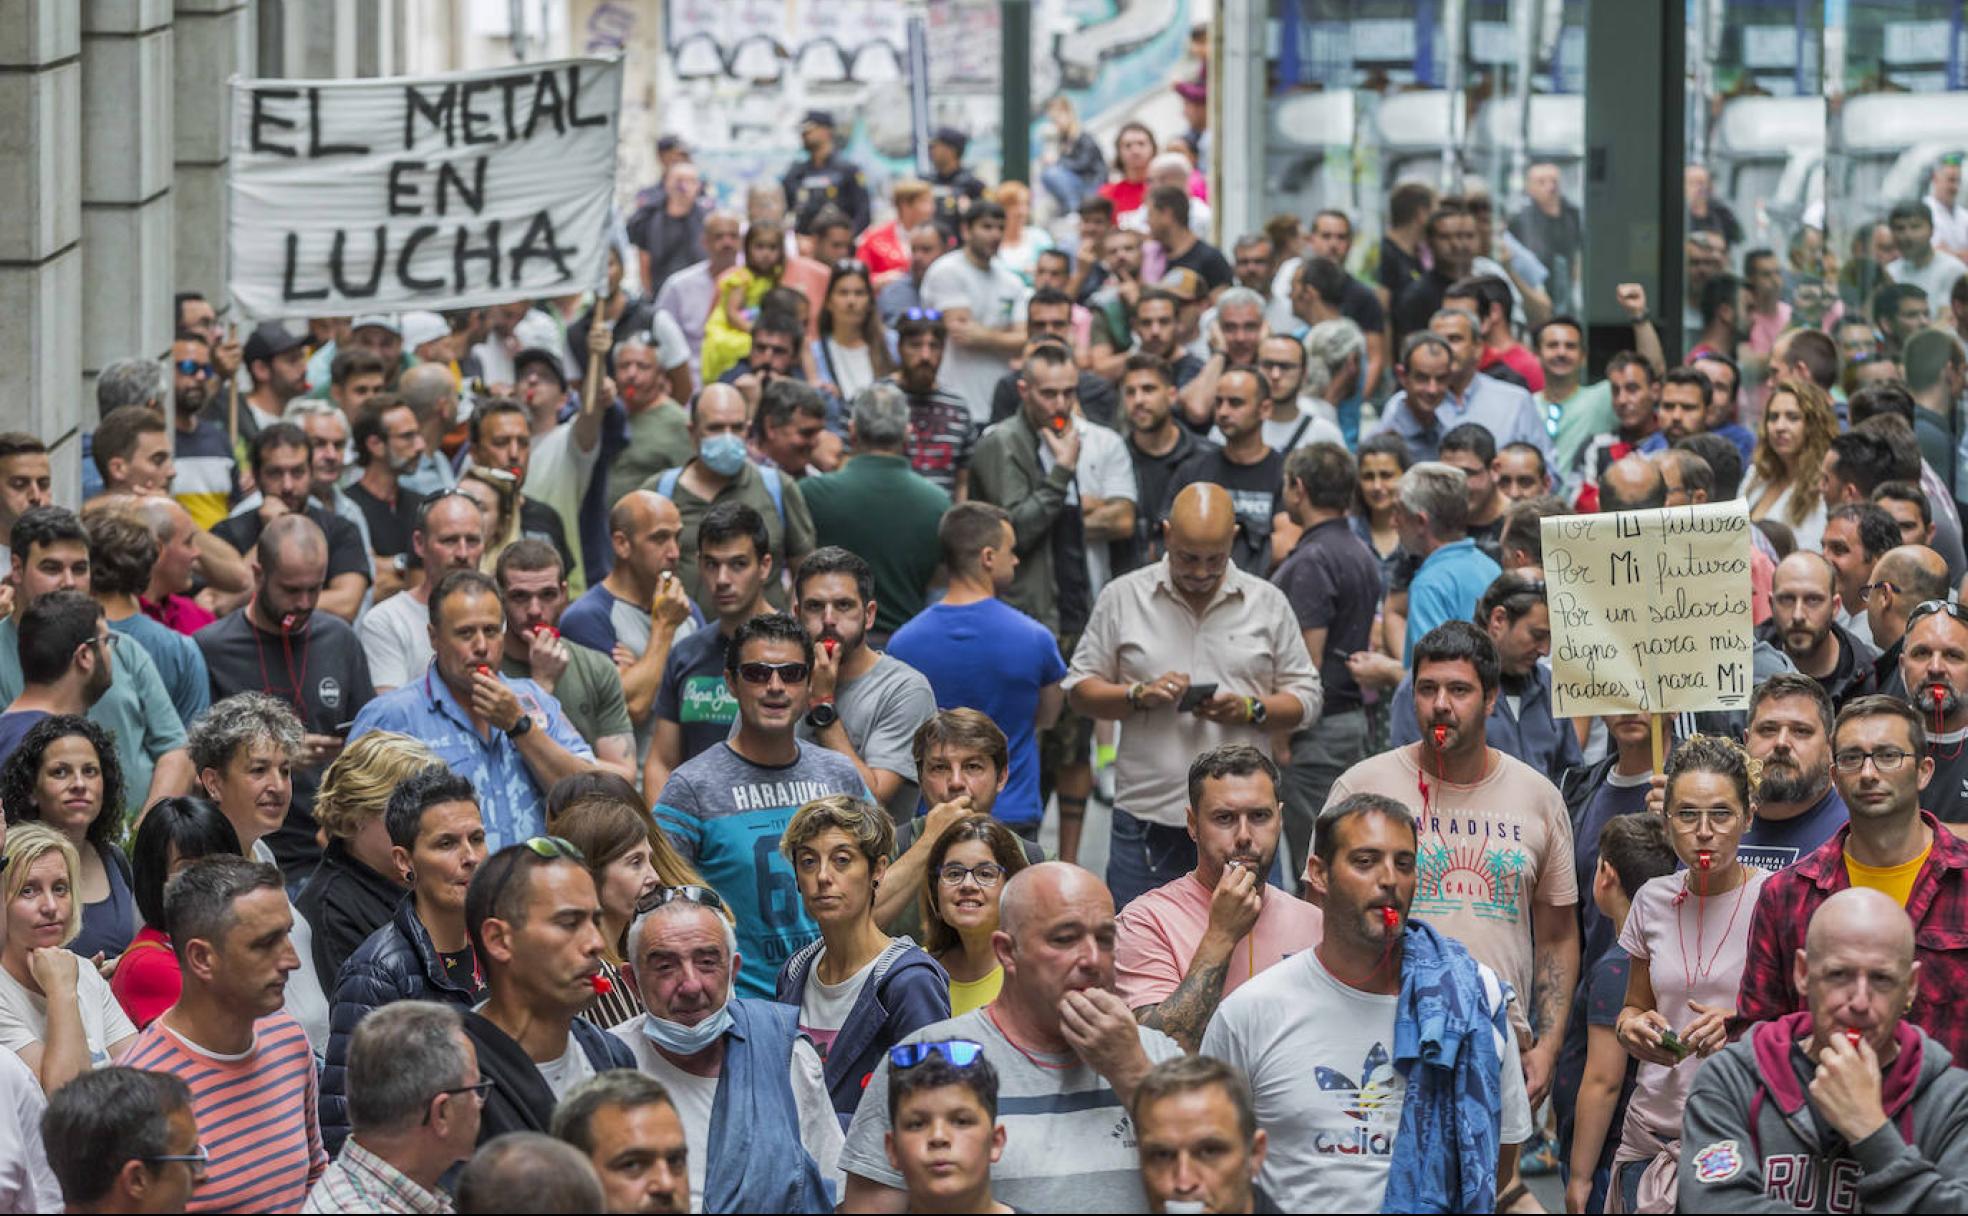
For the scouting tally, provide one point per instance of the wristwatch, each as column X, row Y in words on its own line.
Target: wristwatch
column 1254, row 710
column 822, row 714
column 1134, row 695
column 519, row 728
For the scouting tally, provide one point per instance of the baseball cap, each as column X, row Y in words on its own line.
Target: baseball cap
column 420, row 327
column 377, row 320
column 545, row 358
column 818, row 118
column 270, row 339
column 1184, row 284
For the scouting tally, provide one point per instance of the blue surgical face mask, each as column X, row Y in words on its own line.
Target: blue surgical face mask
column 681, row 1040
column 723, row 454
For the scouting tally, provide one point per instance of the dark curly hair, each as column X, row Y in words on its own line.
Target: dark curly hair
column 22, row 771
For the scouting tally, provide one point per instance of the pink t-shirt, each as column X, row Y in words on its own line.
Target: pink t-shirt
column 1489, row 851
column 1156, row 936
column 1664, row 935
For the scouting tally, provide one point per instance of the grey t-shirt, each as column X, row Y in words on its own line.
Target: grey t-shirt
column 1069, row 1144
column 881, row 711
column 725, row 815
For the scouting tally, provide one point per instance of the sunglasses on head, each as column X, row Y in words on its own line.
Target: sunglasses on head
column 703, row 897
column 554, row 848
column 960, row 1053
column 1930, row 607
column 762, row 673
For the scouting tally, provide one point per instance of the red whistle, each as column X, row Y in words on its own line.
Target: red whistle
column 549, row 630
column 1390, row 917
column 1058, row 425
column 601, row 984
column 1853, row 1036
column 288, row 622
column 830, row 644
column 483, row 670
column 1704, row 858
column 1441, row 736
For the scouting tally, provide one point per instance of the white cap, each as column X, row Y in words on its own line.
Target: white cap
column 421, row 327
column 538, row 329
column 377, row 320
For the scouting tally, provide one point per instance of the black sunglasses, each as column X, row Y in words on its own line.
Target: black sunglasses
column 762, row 673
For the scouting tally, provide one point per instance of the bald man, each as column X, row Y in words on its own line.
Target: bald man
column 1068, row 1054
column 449, row 535
column 641, row 609
column 431, row 392
column 1902, row 580
column 1192, row 653
column 1840, row 1107
column 1633, row 483
column 1803, row 610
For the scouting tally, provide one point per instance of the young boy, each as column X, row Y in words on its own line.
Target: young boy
column 943, row 1109
column 1632, row 849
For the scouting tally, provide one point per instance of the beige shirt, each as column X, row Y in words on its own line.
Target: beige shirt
column 1246, row 642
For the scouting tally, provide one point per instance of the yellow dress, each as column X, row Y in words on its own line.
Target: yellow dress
column 975, row 994
column 724, row 343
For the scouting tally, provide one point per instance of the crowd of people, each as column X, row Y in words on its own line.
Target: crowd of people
column 593, row 753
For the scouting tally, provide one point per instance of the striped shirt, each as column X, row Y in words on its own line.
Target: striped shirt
column 204, row 484
column 256, row 1114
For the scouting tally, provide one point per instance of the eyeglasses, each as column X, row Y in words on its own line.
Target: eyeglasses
column 921, row 314
column 1721, row 819
column 192, row 367
column 762, row 673
column 703, row 897
column 1930, row 607
column 478, row 1091
column 1865, row 592
column 984, row 874
column 961, row 1053
column 197, row 1156
column 1886, row 760
column 850, row 266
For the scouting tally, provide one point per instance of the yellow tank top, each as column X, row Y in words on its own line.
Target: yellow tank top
column 1895, row 882
column 975, row 994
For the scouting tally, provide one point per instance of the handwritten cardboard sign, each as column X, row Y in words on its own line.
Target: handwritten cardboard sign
column 1649, row 610
column 366, row 196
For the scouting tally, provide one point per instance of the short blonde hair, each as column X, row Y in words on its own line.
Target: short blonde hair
column 28, row 843
column 867, row 823
column 909, row 190
column 1010, row 192
column 356, row 789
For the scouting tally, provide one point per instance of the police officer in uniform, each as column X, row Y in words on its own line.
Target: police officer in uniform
column 824, row 177
column 953, row 187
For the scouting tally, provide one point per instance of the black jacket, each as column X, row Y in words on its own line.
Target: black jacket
column 520, row 1100
column 396, row 963
column 344, row 902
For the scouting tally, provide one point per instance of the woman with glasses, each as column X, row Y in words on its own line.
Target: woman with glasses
column 967, row 870
column 63, row 774
column 56, row 1011
column 1688, row 937
column 853, row 349
column 1791, row 441
column 629, row 863
column 174, row 833
column 859, row 991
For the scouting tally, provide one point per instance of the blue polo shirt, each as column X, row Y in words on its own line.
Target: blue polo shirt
column 510, row 800
column 1506, row 411
column 1446, row 588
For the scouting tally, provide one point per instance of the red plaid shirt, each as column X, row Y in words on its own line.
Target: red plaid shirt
column 1938, row 907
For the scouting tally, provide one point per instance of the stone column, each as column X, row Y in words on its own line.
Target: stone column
column 40, row 242
column 210, row 44
column 127, row 103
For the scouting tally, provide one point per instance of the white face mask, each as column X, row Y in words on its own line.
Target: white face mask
column 678, row 1039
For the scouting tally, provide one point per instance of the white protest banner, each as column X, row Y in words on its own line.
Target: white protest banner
column 356, row 196
column 1649, row 610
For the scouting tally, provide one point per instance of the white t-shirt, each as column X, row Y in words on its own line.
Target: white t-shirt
column 1105, row 471
column 672, row 348
column 1319, row 1057
column 824, row 1008
column 693, row 1096
column 396, row 637
column 1936, row 278
column 572, row 1068
column 304, row 999
column 994, row 297
column 24, row 1014
column 26, row 1182
column 1950, row 223
column 849, row 367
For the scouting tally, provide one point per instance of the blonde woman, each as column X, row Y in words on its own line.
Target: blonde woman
column 1024, row 241
column 629, row 863
column 1077, row 168
column 1791, row 441
column 355, row 889
column 56, row 1012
